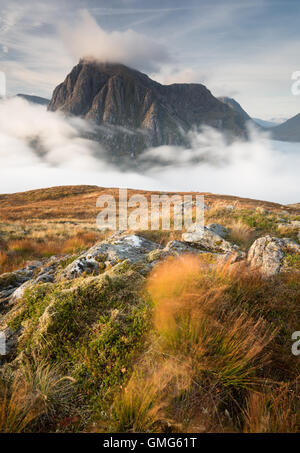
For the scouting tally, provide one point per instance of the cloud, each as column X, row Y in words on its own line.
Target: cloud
column 32, row 136
column 87, row 39
column 42, row 149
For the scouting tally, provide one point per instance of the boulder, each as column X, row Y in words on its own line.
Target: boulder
column 268, row 254
column 108, row 253
column 207, row 239
column 218, row 229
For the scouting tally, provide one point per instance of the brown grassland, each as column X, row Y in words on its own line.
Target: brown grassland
column 196, row 346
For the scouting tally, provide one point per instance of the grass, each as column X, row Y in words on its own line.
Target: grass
column 37, row 390
column 17, row 252
column 220, row 338
column 195, row 347
column 93, row 327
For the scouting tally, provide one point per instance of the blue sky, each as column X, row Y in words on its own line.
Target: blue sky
column 244, row 49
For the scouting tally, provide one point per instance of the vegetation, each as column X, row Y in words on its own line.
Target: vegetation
column 195, row 346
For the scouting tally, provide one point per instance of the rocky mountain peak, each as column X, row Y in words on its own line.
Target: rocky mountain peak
column 115, row 97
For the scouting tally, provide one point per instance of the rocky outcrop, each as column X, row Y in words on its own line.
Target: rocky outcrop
column 208, row 239
column 270, row 254
column 218, row 229
column 108, row 253
column 134, row 112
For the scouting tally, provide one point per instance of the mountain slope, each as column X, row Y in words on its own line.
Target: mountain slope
column 117, row 97
column 288, row 131
column 232, row 103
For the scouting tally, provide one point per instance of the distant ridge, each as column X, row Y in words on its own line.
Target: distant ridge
column 288, row 131
column 34, row 99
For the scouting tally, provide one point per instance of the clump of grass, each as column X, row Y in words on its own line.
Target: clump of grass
column 241, row 234
column 36, row 390
column 137, row 409
column 190, row 319
column 275, row 411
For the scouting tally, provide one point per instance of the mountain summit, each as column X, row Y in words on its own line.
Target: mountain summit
column 135, row 112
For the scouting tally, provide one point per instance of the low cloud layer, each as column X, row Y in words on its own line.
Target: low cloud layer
column 43, row 149
column 86, row 39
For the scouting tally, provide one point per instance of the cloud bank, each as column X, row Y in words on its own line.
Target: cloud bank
column 42, row 149
column 86, row 39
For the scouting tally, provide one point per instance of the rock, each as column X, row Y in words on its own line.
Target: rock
column 19, row 292
column 208, row 240
column 295, row 223
column 179, row 247
column 108, row 253
column 218, row 229
column 267, row 254
column 10, row 339
column 48, row 277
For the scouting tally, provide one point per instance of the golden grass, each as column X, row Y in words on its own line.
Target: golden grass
column 241, row 234
column 205, row 350
column 276, row 411
column 36, row 390
column 17, row 252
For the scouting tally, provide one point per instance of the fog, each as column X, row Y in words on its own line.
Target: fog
column 87, row 39
column 41, row 149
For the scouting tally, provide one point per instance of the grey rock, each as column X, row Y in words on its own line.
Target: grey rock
column 218, row 229
column 133, row 112
column 131, row 247
column 267, row 254
column 11, row 340
column 208, row 240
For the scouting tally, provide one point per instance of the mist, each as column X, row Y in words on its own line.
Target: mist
column 41, row 149
column 87, row 39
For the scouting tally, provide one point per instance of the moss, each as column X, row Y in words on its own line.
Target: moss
column 259, row 221
column 154, row 255
column 94, row 325
column 292, row 260
column 34, row 302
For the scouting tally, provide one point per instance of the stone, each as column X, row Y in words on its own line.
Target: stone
column 208, row 240
column 267, row 254
column 133, row 248
column 218, row 229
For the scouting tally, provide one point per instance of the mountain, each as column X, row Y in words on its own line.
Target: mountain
column 232, row 103
column 265, row 124
column 134, row 112
column 288, row 131
column 34, row 99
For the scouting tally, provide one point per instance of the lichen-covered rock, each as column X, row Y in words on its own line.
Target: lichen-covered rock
column 108, row 253
column 218, row 229
column 10, row 341
column 268, row 254
column 207, row 239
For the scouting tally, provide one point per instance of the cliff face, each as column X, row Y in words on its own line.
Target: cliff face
column 135, row 112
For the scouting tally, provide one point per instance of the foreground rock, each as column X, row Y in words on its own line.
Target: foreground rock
column 108, row 253
column 271, row 255
column 209, row 239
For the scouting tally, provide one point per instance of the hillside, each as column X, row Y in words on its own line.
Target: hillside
column 140, row 331
column 289, row 131
column 232, row 103
column 135, row 112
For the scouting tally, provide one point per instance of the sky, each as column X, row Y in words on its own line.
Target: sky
column 246, row 49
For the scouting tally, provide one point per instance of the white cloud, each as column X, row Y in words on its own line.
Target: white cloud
column 258, row 168
column 88, row 39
